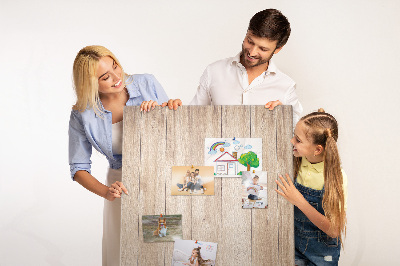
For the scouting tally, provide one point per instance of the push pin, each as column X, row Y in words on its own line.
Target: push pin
column 254, row 171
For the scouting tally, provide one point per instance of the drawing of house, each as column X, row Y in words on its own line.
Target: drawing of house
column 226, row 164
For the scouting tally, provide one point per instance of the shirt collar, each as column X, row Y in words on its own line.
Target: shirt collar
column 236, row 59
column 271, row 65
column 319, row 167
column 132, row 87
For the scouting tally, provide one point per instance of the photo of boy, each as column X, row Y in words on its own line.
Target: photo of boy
column 254, row 190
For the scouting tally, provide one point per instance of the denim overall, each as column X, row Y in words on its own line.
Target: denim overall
column 313, row 247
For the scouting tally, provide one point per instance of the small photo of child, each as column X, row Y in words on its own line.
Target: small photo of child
column 194, row 253
column 254, row 190
column 162, row 228
column 192, row 180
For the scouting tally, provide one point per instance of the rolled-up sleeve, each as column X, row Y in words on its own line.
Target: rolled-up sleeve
column 202, row 96
column 292, row 99
column 161, row 95
column 80, row 149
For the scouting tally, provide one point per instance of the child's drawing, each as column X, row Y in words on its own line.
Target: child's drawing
column 254, row 190
column 231, row 156
column 190, row 252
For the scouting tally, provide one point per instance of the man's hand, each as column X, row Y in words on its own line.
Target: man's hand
column 272, row 104
column 172, row 104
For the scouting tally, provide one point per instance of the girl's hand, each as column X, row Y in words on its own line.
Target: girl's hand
column 115, row 191
column 172, row 104
column 289, row 191
column 148, row 105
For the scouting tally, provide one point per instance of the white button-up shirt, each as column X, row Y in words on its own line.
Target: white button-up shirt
column 225, row 82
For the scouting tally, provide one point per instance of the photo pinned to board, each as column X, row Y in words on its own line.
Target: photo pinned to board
column 190, row 252
column 231, row 156
column 192, row 180
column 254, row 190
column 162, row 228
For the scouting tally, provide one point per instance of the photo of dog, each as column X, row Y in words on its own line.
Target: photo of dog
column 155, row 228
column 162, row 227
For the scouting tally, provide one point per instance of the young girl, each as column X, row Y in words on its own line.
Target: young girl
column 196, row 259
column 319, row 192
column 186, row 180
column 191, row 183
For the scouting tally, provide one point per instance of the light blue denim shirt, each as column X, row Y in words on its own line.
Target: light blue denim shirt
column 86, row 129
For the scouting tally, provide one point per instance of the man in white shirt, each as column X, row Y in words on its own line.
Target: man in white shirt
column 251, row 78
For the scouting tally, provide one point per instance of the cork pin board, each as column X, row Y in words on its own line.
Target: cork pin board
column 154, row 142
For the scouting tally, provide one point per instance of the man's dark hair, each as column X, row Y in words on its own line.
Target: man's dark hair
column 270, row 24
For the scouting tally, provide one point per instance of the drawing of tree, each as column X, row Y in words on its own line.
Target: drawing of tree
column 249, row 159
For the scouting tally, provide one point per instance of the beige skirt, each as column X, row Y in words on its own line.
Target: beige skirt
column 112, row 223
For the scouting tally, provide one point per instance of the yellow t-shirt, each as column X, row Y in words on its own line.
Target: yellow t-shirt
column 312, row 175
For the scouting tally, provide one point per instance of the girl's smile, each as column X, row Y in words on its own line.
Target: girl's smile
column 303, row 147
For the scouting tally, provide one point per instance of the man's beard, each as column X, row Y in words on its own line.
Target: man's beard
column 260, row 60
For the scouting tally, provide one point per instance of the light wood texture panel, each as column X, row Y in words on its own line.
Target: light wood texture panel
column 265, row 222
column 154, row 142
column 235, row 245
column 285, row 165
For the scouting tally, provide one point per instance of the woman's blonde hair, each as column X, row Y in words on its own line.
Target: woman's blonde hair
column 322, row 129
column 86, row 83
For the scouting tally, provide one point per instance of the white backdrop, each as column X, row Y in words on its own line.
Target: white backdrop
column 344, row 56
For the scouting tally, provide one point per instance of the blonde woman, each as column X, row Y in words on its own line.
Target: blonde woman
column 103, row 89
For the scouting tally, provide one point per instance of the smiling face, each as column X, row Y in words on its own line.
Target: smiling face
column 257, row 51
column 304, row 147
column 109, row 75
column 194, row 253
column 255, row 181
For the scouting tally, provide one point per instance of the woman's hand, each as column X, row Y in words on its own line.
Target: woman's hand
column 172, row 104
column 289, row 191
column 115, row 191
column 148, row 105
